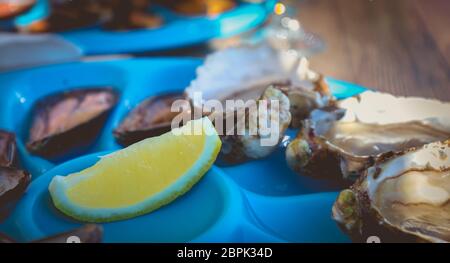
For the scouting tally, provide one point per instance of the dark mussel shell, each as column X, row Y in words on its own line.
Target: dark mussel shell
column 131, row 15
column 68, row 15
column 86, row 234
column 8, row 149
column 150, row 118
column 13, row 183
column 200, row 7
column 69, row 120
column 13, row 8
column 4, row 239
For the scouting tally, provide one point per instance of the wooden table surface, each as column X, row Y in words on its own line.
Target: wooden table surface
column 398, row 46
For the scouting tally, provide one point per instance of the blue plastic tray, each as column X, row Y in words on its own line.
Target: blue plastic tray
column 179, row 31
column 259, row 201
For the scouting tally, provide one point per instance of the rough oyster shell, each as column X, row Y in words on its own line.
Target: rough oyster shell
column 70, row 119
column 403, row 197
column 232, row 72
column 152, row 117
column 244, row 73
column 240, row 148
column 341, row 141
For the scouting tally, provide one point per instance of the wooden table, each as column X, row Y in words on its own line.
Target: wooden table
column 398, row 46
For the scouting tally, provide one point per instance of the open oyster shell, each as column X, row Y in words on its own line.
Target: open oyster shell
column 240, row 147
column 245, row 73
column 403, row 197
column 341, row 141
column 69, row 119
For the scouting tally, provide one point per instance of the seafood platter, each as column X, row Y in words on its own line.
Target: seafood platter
column 114, row 26
column 92, row 149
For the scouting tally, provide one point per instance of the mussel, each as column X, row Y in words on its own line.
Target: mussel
column 403, row 197
column 8, row 149
column 68, row 15
column 200, row 7
column 131, row 15
column 90, row 233
column 339, row 142
column 67, row 120
column 85, row 234
column 150, row 118
column 13, row 183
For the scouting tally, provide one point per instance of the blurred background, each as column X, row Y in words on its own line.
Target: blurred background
column 398, row 46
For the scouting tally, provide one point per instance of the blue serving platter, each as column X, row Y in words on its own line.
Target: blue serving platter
column 178, row 31
column 258, row 201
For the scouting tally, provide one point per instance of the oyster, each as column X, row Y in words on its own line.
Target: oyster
column 239, row 144
column 68, row 120
column 13, row 183
column 403, row 197
column 8, row 149
column 259, row 67
column 152, row 117
column 343, row 140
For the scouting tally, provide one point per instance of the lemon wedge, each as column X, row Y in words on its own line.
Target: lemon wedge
column 140, row 178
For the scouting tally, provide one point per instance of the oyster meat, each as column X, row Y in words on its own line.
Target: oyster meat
column 343, row 140
column 67, row 120
column 403, row 197
column 290, row 81
column 13, row 183
column 8, row 149
column 152, row 117
column 240, row 147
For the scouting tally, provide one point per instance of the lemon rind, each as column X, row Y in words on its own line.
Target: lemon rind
column 184, row 183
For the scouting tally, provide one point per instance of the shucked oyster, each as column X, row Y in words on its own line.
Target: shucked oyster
column 70, row 119
column 403, row 197
column 239, row 147
column 344, row 140
column 152, row 117
column 244, row 74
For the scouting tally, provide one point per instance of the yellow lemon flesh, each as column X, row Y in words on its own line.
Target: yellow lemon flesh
column 140, row 178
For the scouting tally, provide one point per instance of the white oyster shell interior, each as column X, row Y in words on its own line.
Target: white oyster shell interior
column 375, row 123
column 412, row 191
column 230, row 72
